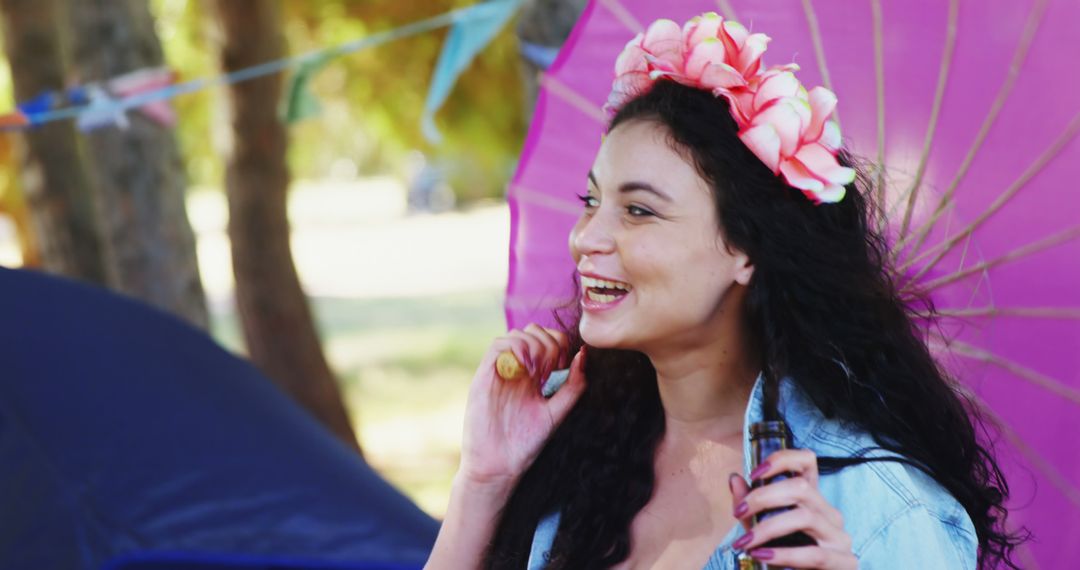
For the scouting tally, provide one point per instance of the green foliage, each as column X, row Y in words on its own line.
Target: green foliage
column 182, row 29
column 371, row 101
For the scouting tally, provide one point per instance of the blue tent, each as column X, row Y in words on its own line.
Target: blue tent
column 129, row 440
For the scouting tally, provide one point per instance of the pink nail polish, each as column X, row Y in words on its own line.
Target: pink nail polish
column 741, row 510
column 743, row 540
column 762, row 553
column 761, row 470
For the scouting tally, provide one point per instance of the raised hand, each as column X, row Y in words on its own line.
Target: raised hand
column 506, row 422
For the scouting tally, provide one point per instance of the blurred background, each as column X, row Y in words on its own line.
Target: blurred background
column 307, row 218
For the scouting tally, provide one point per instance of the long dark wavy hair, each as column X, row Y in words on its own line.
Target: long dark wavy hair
column 821, row 273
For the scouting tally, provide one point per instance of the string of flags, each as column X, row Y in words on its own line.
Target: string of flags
column 467, row 38
column 148, row 91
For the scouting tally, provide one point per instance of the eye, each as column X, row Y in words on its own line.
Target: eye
column 638, row 211
column 589, row 201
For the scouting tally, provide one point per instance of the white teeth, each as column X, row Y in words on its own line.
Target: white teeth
column 589, row 282
column 600, row 298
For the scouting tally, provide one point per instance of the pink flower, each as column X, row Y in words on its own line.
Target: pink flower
column 789, row 130
column 711, row 54
column 745, row 49
column 783, row 125
column 658, row 49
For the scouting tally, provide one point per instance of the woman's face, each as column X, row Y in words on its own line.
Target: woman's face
column 654, row 268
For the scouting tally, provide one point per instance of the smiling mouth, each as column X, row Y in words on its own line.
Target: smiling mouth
column 603, row 291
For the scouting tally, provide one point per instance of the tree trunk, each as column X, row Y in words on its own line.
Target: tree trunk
column 52, row 162
column 278, row 326
column 139, row 173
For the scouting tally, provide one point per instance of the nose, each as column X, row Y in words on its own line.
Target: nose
column 592, row 235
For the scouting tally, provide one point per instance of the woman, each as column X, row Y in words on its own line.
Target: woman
column 729, row 271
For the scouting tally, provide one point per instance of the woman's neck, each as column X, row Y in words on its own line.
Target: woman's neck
column 705, row 381
column 703, row 399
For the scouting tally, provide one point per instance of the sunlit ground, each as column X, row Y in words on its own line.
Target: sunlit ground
column 407, row 304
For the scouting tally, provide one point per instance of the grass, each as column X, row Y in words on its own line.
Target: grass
column 404, row 366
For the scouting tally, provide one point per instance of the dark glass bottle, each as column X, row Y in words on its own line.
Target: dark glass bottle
column 766, row 438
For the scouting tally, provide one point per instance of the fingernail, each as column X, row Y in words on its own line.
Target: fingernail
column 762, row 553
column 761, row 470
column 731, row 482
column 741, row 510
column 743, row 540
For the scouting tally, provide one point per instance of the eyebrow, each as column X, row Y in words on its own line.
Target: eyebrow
column 634, row 186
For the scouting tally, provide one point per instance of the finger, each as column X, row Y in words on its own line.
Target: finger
column 498, row 346
column 564, row 346
column 516, row 346
column 739, row 491
column 536, row 351
column 552, row 351
column 565, row 398
column 799, row 519
column 807, row 557
column 800, row 461
column 796, row 491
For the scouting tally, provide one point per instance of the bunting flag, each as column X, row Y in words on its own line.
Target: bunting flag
column 299, row 102
column 100, row 104
column 14, row 120
column 25, row 112
column 538, row 55
column 144, row 81
column 470, row 33
column 102, row 111
column 149, row 90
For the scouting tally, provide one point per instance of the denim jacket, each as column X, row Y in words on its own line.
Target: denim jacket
column 897, row 516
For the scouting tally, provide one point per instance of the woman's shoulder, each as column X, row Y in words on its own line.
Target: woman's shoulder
column 888, row 506
column 891, row 508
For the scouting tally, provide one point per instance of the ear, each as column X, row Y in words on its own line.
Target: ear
column 744, row 268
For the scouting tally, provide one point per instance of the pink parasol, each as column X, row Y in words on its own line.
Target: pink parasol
column 974, row 109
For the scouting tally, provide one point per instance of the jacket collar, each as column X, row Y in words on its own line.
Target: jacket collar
column 801, row 414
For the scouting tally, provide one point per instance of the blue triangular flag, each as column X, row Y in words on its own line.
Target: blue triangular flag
column 473, row 29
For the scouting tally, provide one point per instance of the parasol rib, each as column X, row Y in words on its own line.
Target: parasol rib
column 727, row 10
column 939, row 96
column 544, row 200
column 1043, row 381
column 1030, row 312
column 571, row 97
column 1044, row 467
column 895, row 250
column 819, row 49
column 1051, row 153
column 623, row 15
column 963, row 259
column 879, row 83
column 1056, row 239
column 1027, row 37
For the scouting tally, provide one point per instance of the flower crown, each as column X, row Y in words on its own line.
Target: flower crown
column 783, row 124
